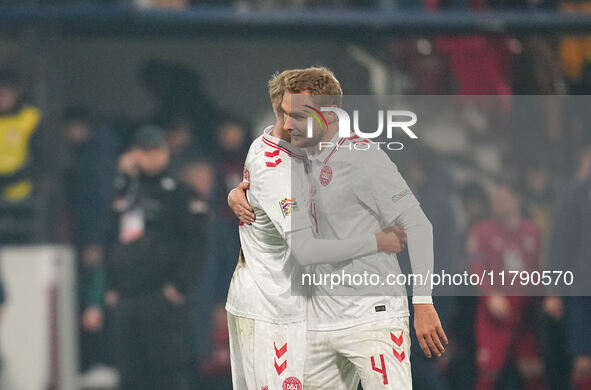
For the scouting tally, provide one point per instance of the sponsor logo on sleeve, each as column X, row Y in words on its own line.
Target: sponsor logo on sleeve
column 288, row 205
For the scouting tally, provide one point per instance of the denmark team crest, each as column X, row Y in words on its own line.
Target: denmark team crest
column 292, row 383
column 325, row 175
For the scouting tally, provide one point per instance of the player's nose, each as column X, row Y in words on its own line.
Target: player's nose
column 287, row 123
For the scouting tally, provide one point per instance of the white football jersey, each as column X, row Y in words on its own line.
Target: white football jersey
column 354, row 192
column 261, row 287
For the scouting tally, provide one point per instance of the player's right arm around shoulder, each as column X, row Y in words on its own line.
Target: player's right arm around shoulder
column 238, row 202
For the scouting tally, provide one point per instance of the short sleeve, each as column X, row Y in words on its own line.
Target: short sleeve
column 379, row 185
column 284, row 197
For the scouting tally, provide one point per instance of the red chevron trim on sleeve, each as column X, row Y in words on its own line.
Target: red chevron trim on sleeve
column 273, row 164
column 272, row 154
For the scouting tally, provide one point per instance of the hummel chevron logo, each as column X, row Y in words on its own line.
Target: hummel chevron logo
column 279, row 353
column 280, row 368
column 397, row 340
column 272, row 154
column 273, row 164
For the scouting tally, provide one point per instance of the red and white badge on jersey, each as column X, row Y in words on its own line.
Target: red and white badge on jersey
column 292, row 383
column 325, row 175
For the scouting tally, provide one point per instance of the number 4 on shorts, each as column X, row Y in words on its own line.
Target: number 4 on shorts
column 381, row 370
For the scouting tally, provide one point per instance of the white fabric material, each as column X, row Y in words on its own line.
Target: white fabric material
column 281, row 237
column 261, row 287
column 336, row 360
column 309, row 250
column 419, row 236
column 265, row 355
column 365, row 193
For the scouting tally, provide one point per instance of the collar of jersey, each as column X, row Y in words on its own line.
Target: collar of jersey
column 326, row 153
column 280, row 144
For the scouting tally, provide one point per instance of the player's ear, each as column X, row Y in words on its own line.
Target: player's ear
column 331, row 116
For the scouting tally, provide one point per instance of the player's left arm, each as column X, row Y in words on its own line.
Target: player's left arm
column 419, row 233
column 380, row 186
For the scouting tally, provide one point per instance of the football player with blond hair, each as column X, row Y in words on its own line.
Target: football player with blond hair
column 266, row 317
column 355, row 334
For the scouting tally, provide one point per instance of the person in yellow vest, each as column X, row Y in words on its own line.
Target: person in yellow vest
column 575, row 50
column 18, row 125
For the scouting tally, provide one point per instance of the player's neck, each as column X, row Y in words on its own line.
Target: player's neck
column 328, row 136
column 279, row 132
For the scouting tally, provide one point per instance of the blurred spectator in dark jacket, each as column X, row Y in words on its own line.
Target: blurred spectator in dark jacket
column 19, row 140
column 570, row 249
column 539, row 204
column 90, row 168
column 155, row 247
column 433, row 186
column 232, row 146
column 214, row 180
column 181, row 137
column 461, row 374
column 178, row 93
column 210, row 330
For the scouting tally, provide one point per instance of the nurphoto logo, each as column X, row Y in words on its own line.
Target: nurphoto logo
column 394, row 119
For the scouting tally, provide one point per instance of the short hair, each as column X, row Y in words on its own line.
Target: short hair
column 319, row 81
column 277, row 90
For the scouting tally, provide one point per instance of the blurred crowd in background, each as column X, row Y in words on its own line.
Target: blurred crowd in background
column 266, row 4
column 302, row 4
column 546, row 165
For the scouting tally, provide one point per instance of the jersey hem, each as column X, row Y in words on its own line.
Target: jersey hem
column 330, row 328
column 239, row 313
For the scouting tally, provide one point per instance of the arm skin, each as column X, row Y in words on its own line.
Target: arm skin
column 427, row 325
